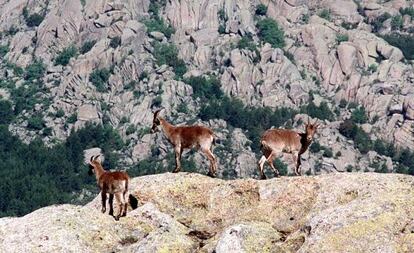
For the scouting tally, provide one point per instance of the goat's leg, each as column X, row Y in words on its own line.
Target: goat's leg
column 260, row 167
column 103, row 195
column 126, row 197
column 120, row 201
column 298, row 163
column 210, row 156
column 178, row 151
column 270, row 161
column 111, row 204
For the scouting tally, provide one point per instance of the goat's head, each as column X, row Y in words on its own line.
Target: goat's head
column 310, row 130
column 93, row 164
column 156, row 122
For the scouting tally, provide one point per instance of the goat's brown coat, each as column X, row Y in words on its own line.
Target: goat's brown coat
column 186, row 137
column 276, row 141
column 115, row 184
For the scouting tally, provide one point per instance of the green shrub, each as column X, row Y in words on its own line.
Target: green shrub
column 99, row 78
column 25, row 97
column 325, row 14
column 321, row 112
column 205, row 88
column 261, row 10
column 34, row 20
column 377, row 23
column 305, row 18
column 115, row 42
column 130, row 130
column 87, row 46
column 4, row 49
column 60, row 113
column 405, row 42
column 281, row 166
column 222, row 15
column 315, row 147
column 72, row 118
column 361, row 139
column 18, row 71
column 168, row 54
column 47, row 131
column 327, row 152
column 348, row 129
column 222, row 29
column 183, row 108
column 143, row 75
column 246, row 42
column 6, row 112
column 359, row 115
column 407, row 11
column 341, row 37
column 35, row 70
column 158, row 25
column 36, row 122
column 372, row 68
column 270, row 32
column 157, row 101
column 64, row 56
column 396, row 22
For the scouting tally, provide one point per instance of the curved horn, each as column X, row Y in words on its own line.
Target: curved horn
column 308, row 120
column 91, row 159
column 157, row 111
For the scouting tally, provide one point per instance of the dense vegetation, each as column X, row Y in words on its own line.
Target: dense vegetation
column 64, row 56
column 34, row 175
column 362, row 141
column 216, row 105
column 405, row 42
column 270, row 32
column 168, row 54
column 99, row 78
column 87, row 46
column 155, row 23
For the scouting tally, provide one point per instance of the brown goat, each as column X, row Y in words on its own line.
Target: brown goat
column 276, row 141
column 186, row 137
column 114, row 183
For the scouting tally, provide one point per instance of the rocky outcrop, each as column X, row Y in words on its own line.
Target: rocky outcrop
column 338, row 57
column 357, row 212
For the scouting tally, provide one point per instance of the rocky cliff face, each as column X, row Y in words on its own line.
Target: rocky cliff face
column 362, row 68
column 347, row 212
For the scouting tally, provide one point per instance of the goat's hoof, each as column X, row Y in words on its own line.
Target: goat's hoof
column 263, row 177
column 103, row 210
column 116, row 218
column 124, row 214
column 111, row 213
column 211, row 174
column 176, row 170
